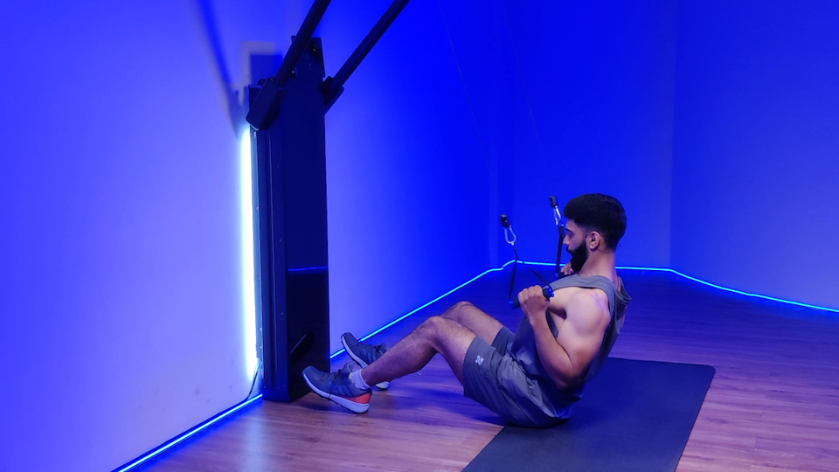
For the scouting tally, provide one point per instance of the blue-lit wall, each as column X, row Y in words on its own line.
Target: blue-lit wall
column 410, row 190
column 120, row 252
column 592, row 111
column 121, row 256
column 465, row 110
column 756, row 168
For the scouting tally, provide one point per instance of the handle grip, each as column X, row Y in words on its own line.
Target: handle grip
column 547, row 292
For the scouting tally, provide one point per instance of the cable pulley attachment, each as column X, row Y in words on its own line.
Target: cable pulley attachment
column 510, row 237
column 561, row 229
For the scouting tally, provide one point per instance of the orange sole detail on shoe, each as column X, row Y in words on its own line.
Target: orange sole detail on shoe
column 360, row 399
column 359, row 404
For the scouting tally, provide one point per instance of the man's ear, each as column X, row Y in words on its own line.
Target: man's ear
column 594, row 240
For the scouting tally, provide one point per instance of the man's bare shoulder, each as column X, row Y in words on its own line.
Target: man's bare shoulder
column 588, row 310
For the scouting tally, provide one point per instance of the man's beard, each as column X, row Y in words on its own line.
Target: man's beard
column 578, row 257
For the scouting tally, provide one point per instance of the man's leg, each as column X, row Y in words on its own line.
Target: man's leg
column 464, row 313
column 413, row 352
column 475, row 320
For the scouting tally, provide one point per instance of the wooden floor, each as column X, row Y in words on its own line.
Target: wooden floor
column 773, row 405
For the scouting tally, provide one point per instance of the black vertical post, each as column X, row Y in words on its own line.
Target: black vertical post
column 287, row 117
column 264, row 108
column 291, row 160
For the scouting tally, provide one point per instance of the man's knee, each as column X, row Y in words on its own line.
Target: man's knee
column 438, row 326
column 439, row 331
column 455, row 310
column 461, row 305
column 432, row 324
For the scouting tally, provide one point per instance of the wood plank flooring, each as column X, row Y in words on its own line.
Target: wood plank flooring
column 773, row 404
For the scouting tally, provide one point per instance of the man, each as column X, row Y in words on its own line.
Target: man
column 530, row 377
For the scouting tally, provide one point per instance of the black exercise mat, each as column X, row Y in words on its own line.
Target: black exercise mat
column 634, row 416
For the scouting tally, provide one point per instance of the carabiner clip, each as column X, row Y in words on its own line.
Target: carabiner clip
column 557, row 216
column 508, row 230
column 507, row 237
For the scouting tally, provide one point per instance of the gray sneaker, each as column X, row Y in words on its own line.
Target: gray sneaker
column 338, row 387
column 364, row 354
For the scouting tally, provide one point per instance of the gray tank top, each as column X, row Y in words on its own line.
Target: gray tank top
column 523, row 346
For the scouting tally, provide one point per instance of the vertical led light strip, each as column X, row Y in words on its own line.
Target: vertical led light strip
column 248, row 288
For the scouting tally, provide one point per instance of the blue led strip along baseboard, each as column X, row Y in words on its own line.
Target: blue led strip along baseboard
column 709, row 284
column 192, row 432
column 551, row 264
column 753, row 295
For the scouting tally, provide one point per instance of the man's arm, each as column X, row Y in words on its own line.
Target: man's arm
column 582, row 333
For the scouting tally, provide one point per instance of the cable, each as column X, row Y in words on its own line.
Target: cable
column 521, row 78
column 481, row 147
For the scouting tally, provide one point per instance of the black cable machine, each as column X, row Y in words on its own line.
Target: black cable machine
column 288, row 138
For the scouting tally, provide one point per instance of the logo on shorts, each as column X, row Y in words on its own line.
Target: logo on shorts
column 479, row 360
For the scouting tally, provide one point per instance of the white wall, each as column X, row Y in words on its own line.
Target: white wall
column 120, row 261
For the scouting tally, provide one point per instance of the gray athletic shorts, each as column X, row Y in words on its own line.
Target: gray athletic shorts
column 494, row 379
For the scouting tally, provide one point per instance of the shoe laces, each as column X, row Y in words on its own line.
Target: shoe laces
column 337, row 376
column 347, row 368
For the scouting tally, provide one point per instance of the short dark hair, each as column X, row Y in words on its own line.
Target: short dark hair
column 598, row 212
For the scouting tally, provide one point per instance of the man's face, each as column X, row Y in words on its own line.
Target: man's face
column 575, row 242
